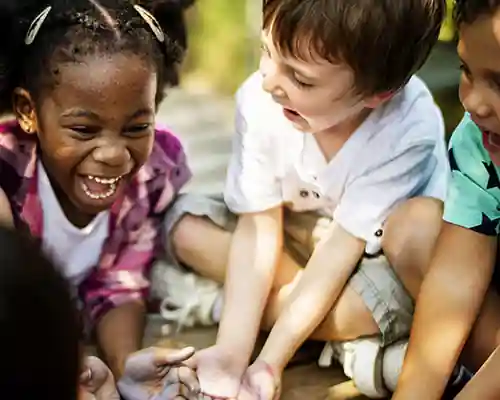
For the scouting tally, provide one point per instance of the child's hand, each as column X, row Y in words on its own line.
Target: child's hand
column 217, row 374
column 157, row 373
column 260, row 382
column 97, row 382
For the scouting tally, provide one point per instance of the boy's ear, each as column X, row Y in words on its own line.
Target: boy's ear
column 379, row 99
column 24, row 109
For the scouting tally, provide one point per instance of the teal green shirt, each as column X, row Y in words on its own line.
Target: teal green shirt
column 473, row 199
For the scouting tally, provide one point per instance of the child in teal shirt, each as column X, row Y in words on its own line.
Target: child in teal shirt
column 458, row 309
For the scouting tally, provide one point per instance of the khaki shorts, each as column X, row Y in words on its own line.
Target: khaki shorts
column 373, row 280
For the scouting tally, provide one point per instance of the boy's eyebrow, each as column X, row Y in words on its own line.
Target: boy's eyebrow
column 298, row 72
column 263, row 41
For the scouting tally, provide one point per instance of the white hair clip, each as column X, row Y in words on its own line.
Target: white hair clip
column 152, row 22
column 36, row 25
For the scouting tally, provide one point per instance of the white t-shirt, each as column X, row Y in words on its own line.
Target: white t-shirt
column 399, row 152
column 75, row 250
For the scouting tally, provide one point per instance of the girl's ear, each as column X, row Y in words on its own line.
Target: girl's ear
column 24, row 109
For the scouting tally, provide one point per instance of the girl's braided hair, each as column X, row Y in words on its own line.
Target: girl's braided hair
column 74, row 29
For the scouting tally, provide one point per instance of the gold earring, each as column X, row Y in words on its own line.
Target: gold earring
column 28, row 128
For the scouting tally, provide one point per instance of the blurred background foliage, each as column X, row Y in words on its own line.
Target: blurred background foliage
column 224, row 50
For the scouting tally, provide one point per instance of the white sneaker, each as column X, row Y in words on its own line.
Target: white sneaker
column 188, row 299
column 362, row 362
column 394, row 356
column 374, row 370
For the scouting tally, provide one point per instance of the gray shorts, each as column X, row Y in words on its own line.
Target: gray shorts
column 374, row 280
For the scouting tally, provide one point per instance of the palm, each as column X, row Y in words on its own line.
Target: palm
column 154, row 374
column 216, row 374
column 258, row 384
column 100, row 384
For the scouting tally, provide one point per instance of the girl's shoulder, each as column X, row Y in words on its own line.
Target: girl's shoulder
column 168, row 143
column 16, row 146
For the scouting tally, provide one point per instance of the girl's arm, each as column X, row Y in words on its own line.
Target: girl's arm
column 447, row 307
column 119, row 334
column 5, row 210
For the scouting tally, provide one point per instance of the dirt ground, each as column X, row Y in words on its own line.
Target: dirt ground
column 303, row 380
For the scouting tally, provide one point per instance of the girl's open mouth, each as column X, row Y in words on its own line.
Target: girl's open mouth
column 99, row 188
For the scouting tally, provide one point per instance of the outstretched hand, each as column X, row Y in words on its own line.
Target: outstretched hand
column 159, row 374
column 97, row 382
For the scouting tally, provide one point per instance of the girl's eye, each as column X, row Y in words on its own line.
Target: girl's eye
column 138, row 128
column 85, row 130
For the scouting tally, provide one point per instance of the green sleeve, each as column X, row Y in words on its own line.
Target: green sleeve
column 473, row 199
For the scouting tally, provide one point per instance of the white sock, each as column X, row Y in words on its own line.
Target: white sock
column 217, row 308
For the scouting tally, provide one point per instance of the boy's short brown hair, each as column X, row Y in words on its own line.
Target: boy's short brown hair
column 384, row 41
column 467, row 11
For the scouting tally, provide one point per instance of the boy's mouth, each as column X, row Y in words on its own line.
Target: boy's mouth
column 292, row 115
column 99, row 188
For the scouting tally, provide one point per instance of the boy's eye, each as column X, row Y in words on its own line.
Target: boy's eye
column 302, row 84
column 465, row 70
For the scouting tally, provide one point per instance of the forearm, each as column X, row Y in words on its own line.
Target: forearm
column 323, row 280
column 485, row 385
column 254, row 254
column 120, row 333
column 447, row 307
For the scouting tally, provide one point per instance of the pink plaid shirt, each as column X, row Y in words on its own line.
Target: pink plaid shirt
column 135, row 220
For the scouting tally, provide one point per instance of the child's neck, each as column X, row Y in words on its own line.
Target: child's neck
column 74, row 215
column 331, row 140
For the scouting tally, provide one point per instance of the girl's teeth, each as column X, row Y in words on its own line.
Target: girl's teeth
column 99, row 196
column 111, row 182
column 106, row 181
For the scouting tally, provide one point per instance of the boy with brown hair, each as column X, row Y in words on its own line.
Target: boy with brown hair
column 317, row 234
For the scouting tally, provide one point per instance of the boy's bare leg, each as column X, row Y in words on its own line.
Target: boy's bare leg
column 485, row 384
column 409, row 238
column 485, row 335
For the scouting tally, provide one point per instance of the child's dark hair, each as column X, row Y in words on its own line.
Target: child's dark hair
column 39, row 327
column 467, row 11
column 384, row 41
column 77, row 28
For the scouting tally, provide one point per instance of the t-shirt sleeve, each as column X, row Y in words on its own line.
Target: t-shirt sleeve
column 474, row 190
column 370, row 197
column 252, row 183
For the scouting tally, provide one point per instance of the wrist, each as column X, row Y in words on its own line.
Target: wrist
column 234, row 356
column 272, row 366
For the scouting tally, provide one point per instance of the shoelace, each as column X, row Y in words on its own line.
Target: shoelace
column 181, row 316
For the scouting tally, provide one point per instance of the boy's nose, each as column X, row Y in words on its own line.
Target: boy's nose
column 476, row 104
column 271, row 82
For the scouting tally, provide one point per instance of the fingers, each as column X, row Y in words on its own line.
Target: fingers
column 180, row 382
column 169, row 356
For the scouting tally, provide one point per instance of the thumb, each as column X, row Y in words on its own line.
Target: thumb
column 171, row 356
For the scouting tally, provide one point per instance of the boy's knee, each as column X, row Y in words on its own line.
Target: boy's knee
column 411, row 233
column 182, row 234
column 416, row 220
